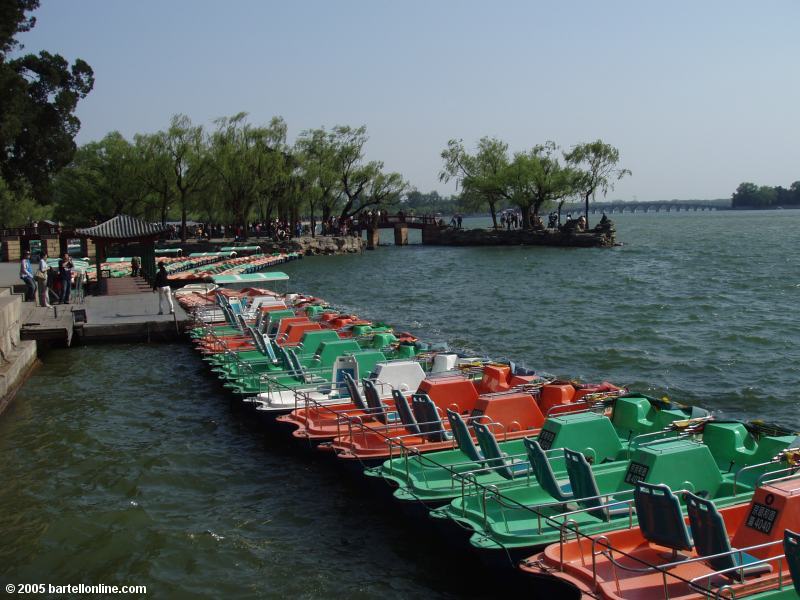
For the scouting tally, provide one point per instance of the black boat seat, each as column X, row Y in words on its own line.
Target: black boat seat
column 585, row 491
column 355, row 395
column 791, row 549
column 404, row 412
column 660, row 518
column 428, row 420
column 711, row 537
column 461, row 434
column 543, row 472
column 375, row 407
column 495, row 458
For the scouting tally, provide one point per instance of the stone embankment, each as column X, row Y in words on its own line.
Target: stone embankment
column 323, row 244
column 600, row 237
column 17, row 357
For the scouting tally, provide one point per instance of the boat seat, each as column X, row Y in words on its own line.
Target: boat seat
column 355, row 395
column 301, row 373
column 584, row 488
column 286, row 361
column 791, row 549
column 428, row 420
column 375, row 407
column 264, row 345
column 461, row 434
column 495, row 458
column 660, row 517
column 544, row 471
column 404, row 412
column 711, row 538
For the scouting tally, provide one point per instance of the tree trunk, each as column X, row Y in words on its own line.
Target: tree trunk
column 183, row 221
column 560, row 206
column 526, row 216
column 586, row 214
column 494, row 214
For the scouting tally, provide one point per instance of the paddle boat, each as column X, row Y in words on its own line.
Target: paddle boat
column 456, row 388
column 745, row 550
column 603, row 432
column 505, row 403
column 718, row 460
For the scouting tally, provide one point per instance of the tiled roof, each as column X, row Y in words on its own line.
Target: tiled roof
column 123, row 227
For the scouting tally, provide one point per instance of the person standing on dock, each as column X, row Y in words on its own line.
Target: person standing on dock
column 161, row 284
column 26, row 274
column 41, row 280
column 65, row 275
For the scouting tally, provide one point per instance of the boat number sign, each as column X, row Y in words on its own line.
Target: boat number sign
column 546, row 439
column 761, row 518
column 636, row 472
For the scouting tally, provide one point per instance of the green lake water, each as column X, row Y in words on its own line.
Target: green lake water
column 126, row 465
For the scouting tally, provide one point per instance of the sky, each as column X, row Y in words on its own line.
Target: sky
column 697, row 96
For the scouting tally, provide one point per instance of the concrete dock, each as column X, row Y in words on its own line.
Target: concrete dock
column 129, row 315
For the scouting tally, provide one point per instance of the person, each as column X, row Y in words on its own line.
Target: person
column 65, row 275
column 135, row 266
column 581, row 224
column 41, row 280
column 26, row 274
column 459, row 220
column 161, row 285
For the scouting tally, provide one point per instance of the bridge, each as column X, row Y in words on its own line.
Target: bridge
column 657, row 206
column 400, row 222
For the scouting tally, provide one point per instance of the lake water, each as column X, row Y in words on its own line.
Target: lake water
column 126, row 465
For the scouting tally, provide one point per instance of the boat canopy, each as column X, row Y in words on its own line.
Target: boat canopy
column 250, row 278
column 241, row 249
column 168, row 251
column 117, row 259
column 202, row 254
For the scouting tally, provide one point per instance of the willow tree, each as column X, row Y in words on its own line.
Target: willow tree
column 155, row 171
column 363, row 184
column 243, row 159
column 482, row 176
column 598, row 161
column 185, row 146
column 102, row 181
column 316, row 156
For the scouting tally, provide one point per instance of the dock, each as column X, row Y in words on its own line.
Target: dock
column 119, row 318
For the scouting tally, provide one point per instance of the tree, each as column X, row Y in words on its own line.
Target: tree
column 537, row 178
column 185, row 146
column 18, row 208
column 481, row 176
column 155, row 170
column 598, row 161
column 316, row 154
column 102, row 181
column 745, row 196
column 245, row 159
column 363, row 185
column 38, row 95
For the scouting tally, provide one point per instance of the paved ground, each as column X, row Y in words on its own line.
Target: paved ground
column 129, row 308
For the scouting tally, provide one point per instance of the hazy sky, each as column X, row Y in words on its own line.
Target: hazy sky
column 697, row 95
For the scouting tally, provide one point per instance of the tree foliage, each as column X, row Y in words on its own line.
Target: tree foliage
column 598, row 162
column 38, row 94
column 750, row 195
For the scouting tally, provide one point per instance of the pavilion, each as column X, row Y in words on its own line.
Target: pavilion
column 124, row 229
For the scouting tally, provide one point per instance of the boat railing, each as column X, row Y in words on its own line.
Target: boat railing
column 775, row 460
column 739, row 570
column 691, row 428
column 471, row 476
column 793, row 474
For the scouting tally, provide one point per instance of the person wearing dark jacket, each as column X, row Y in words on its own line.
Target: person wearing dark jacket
column 161, row 285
